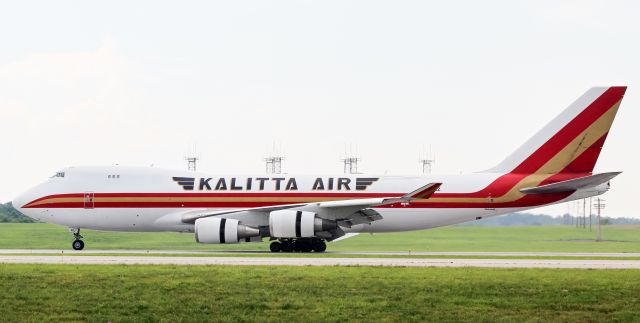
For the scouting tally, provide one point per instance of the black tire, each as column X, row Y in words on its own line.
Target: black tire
column 319, row 246
column 297, row 246
column 275, row 246
column 306, row 246
column 286, row 246
column 77, row 245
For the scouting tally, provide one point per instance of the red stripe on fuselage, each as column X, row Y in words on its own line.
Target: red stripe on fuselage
column 523, row 202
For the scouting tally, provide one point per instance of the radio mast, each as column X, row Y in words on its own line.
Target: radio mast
column 350, row 165
column 273, row 163
column 192, row 158
column 427, row 161
column 350, row 161
column 191, row 163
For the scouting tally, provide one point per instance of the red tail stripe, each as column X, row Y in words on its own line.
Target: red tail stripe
column 587, row 160
column 547, row 151
column 571, row 130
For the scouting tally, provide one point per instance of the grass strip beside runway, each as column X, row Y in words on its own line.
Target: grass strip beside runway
column 233, row 293
column 552, row 238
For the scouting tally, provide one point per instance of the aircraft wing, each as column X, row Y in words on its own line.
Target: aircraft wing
column 423, row 192
column 349, row 212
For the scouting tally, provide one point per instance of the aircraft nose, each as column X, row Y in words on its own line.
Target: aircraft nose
column 19, row 201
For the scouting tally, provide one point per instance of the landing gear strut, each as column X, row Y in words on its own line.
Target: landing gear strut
column 77, row 243
column 298, row 245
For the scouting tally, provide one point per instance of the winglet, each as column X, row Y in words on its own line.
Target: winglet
column 423, row 192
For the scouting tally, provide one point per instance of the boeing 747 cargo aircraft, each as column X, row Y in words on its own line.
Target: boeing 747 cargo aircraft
column 300, row 213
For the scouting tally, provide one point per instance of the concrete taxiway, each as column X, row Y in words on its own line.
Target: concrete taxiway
column 319, row 261
column 336, row 253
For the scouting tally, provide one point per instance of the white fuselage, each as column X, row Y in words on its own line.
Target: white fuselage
column 149, row 199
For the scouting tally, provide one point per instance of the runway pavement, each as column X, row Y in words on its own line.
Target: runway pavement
column 337, row 253
column 319, row 261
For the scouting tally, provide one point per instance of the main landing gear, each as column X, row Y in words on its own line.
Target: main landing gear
column 77, row 243
column 298, row 245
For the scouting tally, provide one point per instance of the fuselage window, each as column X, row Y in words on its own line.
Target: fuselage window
column 58, row 174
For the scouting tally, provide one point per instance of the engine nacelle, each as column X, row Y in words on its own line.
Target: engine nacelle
column 221, row 230
column 297, row 224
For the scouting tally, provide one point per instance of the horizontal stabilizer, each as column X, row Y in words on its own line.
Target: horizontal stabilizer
column 571, row 185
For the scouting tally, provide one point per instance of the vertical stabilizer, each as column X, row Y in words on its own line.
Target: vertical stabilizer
column 572, row 141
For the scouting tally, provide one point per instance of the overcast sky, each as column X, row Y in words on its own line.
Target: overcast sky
column 139, row 83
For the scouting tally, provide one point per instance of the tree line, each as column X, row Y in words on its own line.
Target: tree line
column 8, row 214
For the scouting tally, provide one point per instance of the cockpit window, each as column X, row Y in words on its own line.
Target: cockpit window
column 58, row 174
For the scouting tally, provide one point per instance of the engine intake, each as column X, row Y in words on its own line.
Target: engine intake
column 297, row 224
column 221, row 230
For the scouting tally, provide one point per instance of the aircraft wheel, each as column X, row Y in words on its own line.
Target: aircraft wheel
column 306, row 246
column 275, row 246
column 297, row 246
column 319, row 246
column 77, row 245
column 287, row 246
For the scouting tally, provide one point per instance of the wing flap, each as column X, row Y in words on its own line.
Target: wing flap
column 360, row 217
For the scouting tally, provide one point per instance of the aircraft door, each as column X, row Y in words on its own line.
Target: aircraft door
column 89, row 200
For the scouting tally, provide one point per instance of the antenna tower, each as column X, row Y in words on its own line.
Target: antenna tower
column 192, row 158
column 191, row 163
column 427, row 161
column 350, row 161
column 273, row 163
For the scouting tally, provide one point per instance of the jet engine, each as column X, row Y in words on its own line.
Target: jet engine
column 221, row 230
column 297, row 224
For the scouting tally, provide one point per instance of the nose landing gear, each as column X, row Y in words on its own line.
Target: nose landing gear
column 77, row 243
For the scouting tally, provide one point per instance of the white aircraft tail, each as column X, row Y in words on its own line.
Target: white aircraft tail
column 570, row 143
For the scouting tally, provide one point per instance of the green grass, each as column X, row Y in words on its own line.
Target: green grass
column 37, row 293
column 553, row 238
column 542, row 239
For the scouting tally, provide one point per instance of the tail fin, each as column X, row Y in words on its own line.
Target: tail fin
column 572, row 141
